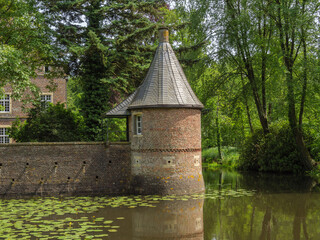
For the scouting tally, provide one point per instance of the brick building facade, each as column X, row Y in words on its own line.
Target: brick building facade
column 13, row 109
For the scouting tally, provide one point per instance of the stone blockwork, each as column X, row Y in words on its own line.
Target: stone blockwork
column 166, row 158
column 64, row 168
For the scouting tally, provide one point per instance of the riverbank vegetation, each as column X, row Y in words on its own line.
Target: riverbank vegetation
column 262, row 86
column 253, row 64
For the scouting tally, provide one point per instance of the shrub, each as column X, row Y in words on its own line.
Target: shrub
column 275, row 152
column 53, row 123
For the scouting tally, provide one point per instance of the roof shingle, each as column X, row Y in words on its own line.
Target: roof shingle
column 165, row 85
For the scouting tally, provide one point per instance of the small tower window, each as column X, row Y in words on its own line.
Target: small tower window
column 138, row 124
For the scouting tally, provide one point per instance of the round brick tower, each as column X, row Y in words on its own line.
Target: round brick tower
column 165, row 128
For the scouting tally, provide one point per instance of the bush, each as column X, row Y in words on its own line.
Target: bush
column 53, row 123
column 275, row 152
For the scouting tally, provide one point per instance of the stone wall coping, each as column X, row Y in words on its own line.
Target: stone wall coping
column 118, row 143
column 60, row 143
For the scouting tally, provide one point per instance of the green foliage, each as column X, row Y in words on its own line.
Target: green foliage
column 312, row 136
column 115, row 129
column 55, row 123
column 247, row 68
column 210, row 154
column 94, row 92
column 230, row 156
column 24, row 46
column 274, row 152
column 314, row 173
column 107, row 47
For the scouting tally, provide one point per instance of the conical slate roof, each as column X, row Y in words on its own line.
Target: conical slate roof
column 165, row 85
column 121, row 110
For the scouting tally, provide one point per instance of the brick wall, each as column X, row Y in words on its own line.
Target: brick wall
column 169, row 128
column 64, row 168
column 166, row 158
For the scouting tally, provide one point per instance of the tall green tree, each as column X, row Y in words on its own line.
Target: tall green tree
column 292, row 20
column 108, row 45
column 245, row 38
column 265, row 58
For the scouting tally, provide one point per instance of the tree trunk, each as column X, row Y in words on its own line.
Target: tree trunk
column 305, row 77
column 270, row 112
column 305, row 157
column 263, row 82
column 262, row 117
column 249, row 117
column 244, row 53
column 289, row 51
column 247, row 106
column 218, row 132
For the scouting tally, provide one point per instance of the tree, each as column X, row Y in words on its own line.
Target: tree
column 247, row 67
column 108, row 45
column 290, row 19
column 245, row 38
column 24, row 47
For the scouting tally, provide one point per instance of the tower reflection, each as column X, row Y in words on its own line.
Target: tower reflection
column 169, row 220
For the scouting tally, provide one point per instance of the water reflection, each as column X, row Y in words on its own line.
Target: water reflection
column 284, row 207
column 169, row 220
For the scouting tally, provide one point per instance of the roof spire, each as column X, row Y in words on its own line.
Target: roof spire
column 165, row 85
column 163, row 34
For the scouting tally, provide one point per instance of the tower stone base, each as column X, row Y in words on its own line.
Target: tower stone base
column 166, row 157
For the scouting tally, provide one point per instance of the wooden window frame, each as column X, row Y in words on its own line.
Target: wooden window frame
column 137, row 118
column 10, row 103
column 45, row 101
column 1, row 136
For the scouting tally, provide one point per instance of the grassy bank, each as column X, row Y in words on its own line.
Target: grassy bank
column 230, row 156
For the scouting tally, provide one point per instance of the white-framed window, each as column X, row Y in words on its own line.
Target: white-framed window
column 5, row 103
column 4, row 136
column 45, row 100
column 138, row 124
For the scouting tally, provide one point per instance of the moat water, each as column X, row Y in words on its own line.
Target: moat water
column 235, row 206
